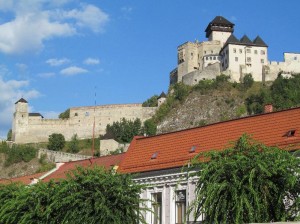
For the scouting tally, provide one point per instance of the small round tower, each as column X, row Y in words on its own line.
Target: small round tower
column 161, row 99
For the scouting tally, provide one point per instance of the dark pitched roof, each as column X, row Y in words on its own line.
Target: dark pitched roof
column 35, row 115
column 245, row 40
column 259, row 42
column 174, row 149
column 232, row 40
column 22, row 100
column 219, row 23
column 162, row 95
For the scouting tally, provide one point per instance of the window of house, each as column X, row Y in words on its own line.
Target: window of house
column 248, row 59
column 262, row 61
column 214, row 58
column 156, row 199
column 76, row 114
column 234, row 50
column 262, row 52
column 248, row 50
column 212, row 52
column 295, row 58
column 210, row 58
column 241, row 51
column 255, row 51
column 180, row 204
column 236, row 59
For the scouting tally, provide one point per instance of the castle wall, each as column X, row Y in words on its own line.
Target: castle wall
column 60, row 157
column 81, row 122
column 210, row 72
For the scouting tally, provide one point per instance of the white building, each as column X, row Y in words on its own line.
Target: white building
column 224, row 53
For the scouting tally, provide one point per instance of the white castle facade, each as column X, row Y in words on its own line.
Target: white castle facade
column 224, row 53
column 32, row 127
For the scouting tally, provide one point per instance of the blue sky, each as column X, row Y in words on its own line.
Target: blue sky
column 57, row 53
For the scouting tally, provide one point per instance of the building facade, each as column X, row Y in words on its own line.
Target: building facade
column 223, row 53
column 32, row 127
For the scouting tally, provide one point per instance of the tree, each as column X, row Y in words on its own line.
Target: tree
column 151, row 102
column 150, row 127
column 247, row 183
column 248, row 81
column 65, row 114
column 123, row 131
column 9, row 135
column 91, row 195
column 73, row 145
column 56, row 142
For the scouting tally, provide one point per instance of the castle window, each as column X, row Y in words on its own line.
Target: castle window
column 214, row 58
column 210, row 58
column 76, row 114
column 262, row 61
column 206, row 58
column 212, row 52
column 234, row 50
column 236, row 59
column 248, row 50
column 241, row 51
column 248, row 59
column 87, row 114
column 295, row 58
column 255, row 51
column 204, row 52
column 262, row 52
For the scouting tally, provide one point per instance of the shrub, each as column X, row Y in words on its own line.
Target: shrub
column 65, row 114
column 150, row 127
column 56, row 142
column 151, row 102
column 248, row 81
column 19, row 153
column 73, row 145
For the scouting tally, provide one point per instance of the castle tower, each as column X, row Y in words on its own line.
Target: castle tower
column 219, row 29
column 20, row 120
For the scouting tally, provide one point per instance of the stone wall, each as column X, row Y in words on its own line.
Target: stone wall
column 110, row 145
column 209, row 72
column 59, row 157
column 27, row 129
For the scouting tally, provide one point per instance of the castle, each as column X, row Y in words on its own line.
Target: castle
column 226, row 54
column 32, row 127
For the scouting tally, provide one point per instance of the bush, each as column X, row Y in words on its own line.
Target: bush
column 65, row 114
column 9, row 135
column 150, row 127
column 248, row 81
column 151, row 102
column 73, row 145
column 181, row 91
column 56, row 142
column 19, row 153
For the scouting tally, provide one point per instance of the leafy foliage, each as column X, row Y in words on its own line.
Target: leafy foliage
column 56, row 142
column 9, row 135
column 151, row 102
column 248, row 81
column 284, row 93
column 17, row 153
column 73, row 145
column 181, row 91
column 247, row 183
column 65, row 114
column 150, row 127
column 125, row 130
column 86, row 196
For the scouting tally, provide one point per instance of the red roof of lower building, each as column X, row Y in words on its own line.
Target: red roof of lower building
column 175, row 149
column 24, row 179
column 104, row 161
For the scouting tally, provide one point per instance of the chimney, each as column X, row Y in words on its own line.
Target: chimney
column 268, row 108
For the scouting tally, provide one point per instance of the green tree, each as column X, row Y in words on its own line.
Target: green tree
column 9, row 135
column 65, row 114
column 248, row 81
column 97, row 196
column 150, row 127
column 181, row 91
column 56, row 142
column 247, row 183
column 73, row 145
column 151, row 102
column 123, row 131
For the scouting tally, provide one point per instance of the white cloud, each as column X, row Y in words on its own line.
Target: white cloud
column 73, row 70
column 36, row 21
column 46, row 74
column 10, row 92
column 88, row 16
column 91, row 61
column 57, row 62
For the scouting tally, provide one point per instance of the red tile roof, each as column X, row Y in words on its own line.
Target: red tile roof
column 173, row 148
column 105, row 161
column 24, row 179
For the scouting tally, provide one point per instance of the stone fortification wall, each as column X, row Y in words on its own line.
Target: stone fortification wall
column 109, row 145
column 209, row 72
column 61, row 157
column 36, row 129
